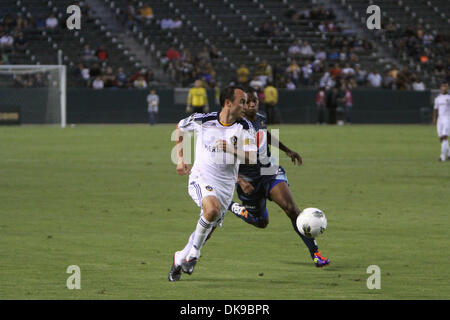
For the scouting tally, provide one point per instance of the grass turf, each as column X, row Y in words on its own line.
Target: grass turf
column 107, row 198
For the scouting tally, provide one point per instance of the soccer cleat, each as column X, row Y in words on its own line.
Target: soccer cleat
column 319, row 260
column 175, row 271
column 188, row 266
column 239, row 210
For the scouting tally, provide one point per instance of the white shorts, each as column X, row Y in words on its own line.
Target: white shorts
column 443, row 128
column 199, row 189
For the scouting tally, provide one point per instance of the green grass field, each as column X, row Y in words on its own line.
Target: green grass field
column 107, row 198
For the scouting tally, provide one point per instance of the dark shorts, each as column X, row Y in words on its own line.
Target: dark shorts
column 200, row 109
column 255, row 202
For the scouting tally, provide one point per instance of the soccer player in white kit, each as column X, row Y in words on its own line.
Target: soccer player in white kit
column 224, row 140
column 441, row 117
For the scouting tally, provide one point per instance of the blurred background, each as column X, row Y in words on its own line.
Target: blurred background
column 303, row 48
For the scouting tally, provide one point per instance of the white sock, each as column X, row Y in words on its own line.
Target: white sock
column 201, row 233
column 444, row 149
column 181, row 255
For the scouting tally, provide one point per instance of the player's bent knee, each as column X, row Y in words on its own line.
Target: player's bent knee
column 290, row 210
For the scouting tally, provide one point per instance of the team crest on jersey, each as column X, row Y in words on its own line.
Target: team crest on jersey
column 234, row 140
column 209, row 188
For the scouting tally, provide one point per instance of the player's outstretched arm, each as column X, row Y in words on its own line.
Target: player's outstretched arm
column 182, row 168
column 295, row 157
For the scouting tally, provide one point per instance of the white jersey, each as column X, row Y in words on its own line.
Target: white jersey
column 442, row 104
column 153, row 102
column 211, row 164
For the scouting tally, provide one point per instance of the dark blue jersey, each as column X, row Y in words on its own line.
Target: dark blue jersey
column 253, row 171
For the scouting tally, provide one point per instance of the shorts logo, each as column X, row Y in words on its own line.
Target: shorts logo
column 209, row 188
column 234, row 140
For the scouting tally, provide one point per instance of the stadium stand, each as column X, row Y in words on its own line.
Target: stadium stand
column 211, row 39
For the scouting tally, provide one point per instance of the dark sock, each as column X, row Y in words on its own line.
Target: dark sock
column 309, row 242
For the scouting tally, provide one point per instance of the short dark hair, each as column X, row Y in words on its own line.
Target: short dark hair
column 250, row 90
column 228, row 94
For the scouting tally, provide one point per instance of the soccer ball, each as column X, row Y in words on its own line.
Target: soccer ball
column 311, row 222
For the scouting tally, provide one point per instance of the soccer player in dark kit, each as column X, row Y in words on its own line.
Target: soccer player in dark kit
column 265, row 180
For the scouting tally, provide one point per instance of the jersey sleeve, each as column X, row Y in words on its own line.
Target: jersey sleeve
column 189, row 124
column 435, row 103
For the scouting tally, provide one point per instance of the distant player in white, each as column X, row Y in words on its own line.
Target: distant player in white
column 224, row 140
column 153, row 105
column 441, row 117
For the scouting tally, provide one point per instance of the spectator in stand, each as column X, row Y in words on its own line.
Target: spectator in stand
column 321, row 54
column 4, row 59
column 375, row 79
column 390, row 26
column 140, row 82
column 293, row 71
column 294, row 49
column 121, row 78
column 348, row 72
column 417, row 85
column 439, row 69
column 331, row 27
column 22, row 22
column 388, row 80
column 172, row 54
column 85, row 74
column 321, row 105
column 6, row 42
column 51, row 22
column 101, row 54
column 264, row 72
column 360, row 75
column 333, row 54
column 270, row 101
column 243, row 75
column 20, row 43
column 307, row 71
column 177, row 23
column 95, row 71
column 130, row 17
column 336, row 71
column 427, row 39
column 88, row 54
column 98, row 83
column 203, row 55
column 109, row 79
column 403, row 79
column 322, row 27
column 292, row 13
column 166, row 23
column 38, row 82
column 256, row 83
column 306, row 51
column 290, row 85
column 327, row 81
column 213, row 53
column 146, row 12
